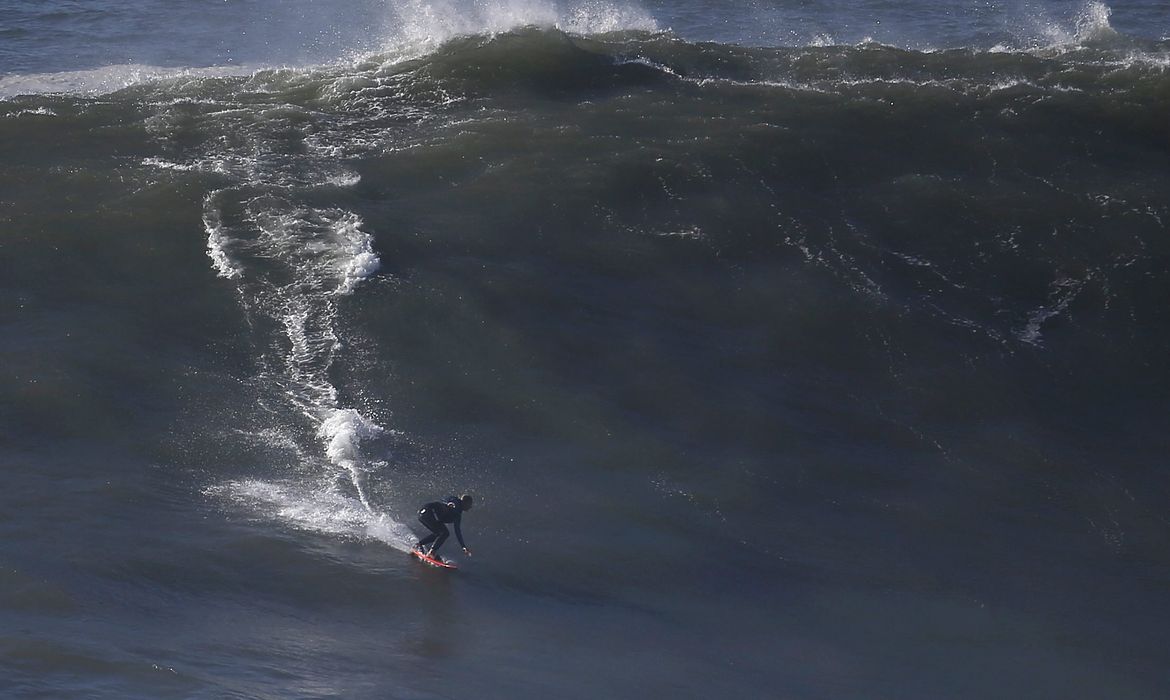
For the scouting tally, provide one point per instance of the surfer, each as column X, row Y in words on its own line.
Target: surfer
column 435, row 515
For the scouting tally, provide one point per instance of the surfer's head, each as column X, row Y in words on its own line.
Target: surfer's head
column 466, row 501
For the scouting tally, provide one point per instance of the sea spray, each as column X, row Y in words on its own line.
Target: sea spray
column 1093, row 23
column 426, row 24
column 342, row 432
column 315, row 509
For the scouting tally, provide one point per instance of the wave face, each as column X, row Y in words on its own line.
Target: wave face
column 985, row 199
column 846, row 346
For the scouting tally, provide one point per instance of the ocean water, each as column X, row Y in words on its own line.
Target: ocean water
column 791, row 349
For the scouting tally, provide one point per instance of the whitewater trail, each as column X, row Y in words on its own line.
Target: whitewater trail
column 294, row 264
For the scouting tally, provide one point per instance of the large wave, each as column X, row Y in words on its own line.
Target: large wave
column 834, row 158
column 295, row 262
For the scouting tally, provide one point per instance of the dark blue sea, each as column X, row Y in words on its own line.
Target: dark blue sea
column 792, row 349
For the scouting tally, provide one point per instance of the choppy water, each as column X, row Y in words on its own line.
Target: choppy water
column 791, row 350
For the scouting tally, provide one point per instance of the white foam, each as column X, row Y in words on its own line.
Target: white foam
column 320, row 509
column 643, row 61
column 169, row 165
column 343, row 178
column 102, row 81
column 693, row 233
column 38, row 112
column 342, row 431
column 1064, row 291
column 304, row 350
column 328, row 246
column 356, row 252
column 218, row 240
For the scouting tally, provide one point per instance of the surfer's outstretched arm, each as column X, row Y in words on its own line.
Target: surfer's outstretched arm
column 459, row 534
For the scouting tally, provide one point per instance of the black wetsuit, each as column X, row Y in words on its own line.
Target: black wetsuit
column 434, row 515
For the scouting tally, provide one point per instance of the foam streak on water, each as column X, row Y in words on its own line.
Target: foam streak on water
column 320, row 257
column 293, row 265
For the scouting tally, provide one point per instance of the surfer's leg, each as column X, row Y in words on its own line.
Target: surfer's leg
column 439, row 538
column 427, row 518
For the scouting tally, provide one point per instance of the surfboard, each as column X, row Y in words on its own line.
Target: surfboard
column 426, row 559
